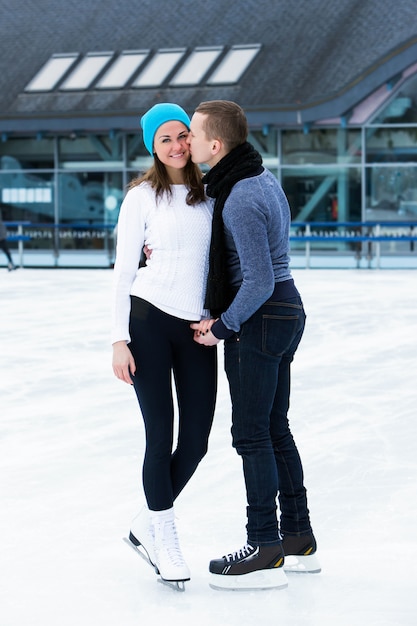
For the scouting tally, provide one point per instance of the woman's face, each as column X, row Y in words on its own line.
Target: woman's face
column 170, row 145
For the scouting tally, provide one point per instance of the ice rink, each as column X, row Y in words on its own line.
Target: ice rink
column 72, row 443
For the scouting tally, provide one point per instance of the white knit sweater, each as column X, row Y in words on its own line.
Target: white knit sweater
column 174, row 279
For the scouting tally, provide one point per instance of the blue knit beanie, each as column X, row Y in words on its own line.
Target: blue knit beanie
column 158, row 115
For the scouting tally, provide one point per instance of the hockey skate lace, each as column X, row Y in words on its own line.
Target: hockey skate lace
column 239, row 554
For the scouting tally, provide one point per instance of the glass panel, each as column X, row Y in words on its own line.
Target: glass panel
column 391, row 144
column 321, row 146
column 158, row 68
column 87, row 70
column 90, row 151
column 27, row 153
column 89, row 197
column 122, row 69
column 234, row 64
column 196, row 66
column 137, row 155
column 323, row 194
column 402, row 109
column 51, row 73
column 27, row 196
column 391, row 193
column 89, row 204
column 267, row 145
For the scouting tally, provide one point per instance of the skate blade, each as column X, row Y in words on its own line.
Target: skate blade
column 298, row 564
column 258, row 580
column 141, row 551
column 178, row 585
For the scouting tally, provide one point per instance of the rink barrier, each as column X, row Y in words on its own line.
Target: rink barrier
column 19, row 237
column 366, row 238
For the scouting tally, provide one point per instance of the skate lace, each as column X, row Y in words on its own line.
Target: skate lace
column 172, row 545
column 239, row 554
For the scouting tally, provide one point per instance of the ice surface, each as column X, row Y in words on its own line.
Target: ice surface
column 72, row 443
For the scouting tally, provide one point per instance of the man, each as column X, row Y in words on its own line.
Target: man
column 259, row 314
column 3, row 245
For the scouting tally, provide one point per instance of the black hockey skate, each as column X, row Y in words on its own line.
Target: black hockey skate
column 300, row 554
column 251, row 567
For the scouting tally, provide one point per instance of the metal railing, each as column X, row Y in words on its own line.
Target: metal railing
column 364, row 238
column 53, row 238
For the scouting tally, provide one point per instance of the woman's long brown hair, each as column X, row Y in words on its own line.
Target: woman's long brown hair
column 157, row 176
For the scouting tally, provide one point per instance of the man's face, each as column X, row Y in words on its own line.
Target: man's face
column 200, row 146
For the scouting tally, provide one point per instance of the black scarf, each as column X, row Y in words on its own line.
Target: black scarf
column 242, row 162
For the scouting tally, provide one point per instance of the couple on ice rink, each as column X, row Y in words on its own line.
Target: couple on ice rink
column 217, row 269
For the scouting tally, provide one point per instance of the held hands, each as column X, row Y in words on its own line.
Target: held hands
column 123, row 362
column 203, row 334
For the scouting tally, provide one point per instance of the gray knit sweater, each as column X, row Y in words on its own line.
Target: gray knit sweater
column 257, row 220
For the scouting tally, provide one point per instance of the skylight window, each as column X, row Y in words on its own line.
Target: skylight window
column 122, row 69
column 234, row 64
column 111, row 70
column 87, row 70
column 52, row 72
column 196, row 66
column 159, row 67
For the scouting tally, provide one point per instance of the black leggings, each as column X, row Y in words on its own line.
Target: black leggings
column 163, row 345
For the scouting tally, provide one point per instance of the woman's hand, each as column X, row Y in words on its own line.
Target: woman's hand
column 123, row 362
column 203, row 334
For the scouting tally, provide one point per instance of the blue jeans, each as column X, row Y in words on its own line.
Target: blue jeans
column 257, row 364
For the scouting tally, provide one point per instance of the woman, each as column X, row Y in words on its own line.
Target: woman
column 166, row 210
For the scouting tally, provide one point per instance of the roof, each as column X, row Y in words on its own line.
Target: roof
column 317, row 58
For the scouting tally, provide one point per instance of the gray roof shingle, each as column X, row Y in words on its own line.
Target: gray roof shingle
column 318, row 59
